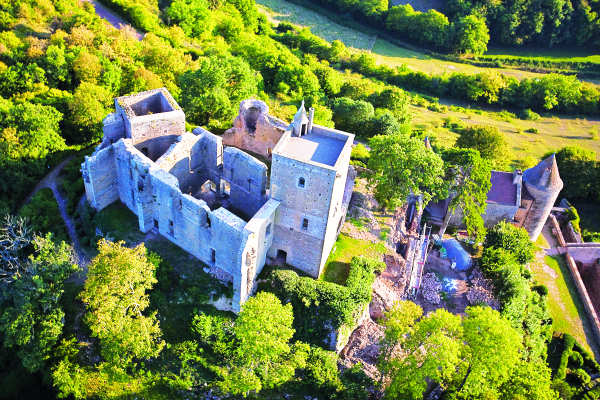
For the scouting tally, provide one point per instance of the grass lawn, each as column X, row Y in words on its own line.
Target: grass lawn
column 566, row 308
column 282, row 11
column 553, row 133
column 117, row 223
column 558, row 53
column 388, row 53
column 338, row 263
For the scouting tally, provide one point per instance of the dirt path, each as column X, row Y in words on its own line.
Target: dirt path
column 114, row 19
column 49, row 181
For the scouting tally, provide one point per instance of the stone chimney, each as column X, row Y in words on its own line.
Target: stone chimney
column 311, row 117
column 517, row 177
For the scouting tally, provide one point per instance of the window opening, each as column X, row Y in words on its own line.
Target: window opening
column 301, row 182
column 213, row 255
column 269, row 229
column 207, row 221
column 305, row 224
column 156, row 223
column 145, row 151
column 171, row 229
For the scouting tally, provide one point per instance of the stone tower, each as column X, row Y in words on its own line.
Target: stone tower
column 310, row 178
column 543, row 184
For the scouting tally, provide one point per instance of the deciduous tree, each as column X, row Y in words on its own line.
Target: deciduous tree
column 216, row 88
column 403, row 166
column 469, row 176
column 115, row 297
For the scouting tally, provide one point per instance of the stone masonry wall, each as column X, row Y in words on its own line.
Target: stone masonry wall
column 100, row 178
column 494, row 213
column 247, row 177
column 539, row 211
column 254, row 129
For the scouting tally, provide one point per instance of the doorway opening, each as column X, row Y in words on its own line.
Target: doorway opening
column 281, row 256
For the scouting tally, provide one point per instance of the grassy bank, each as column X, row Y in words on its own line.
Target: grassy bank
column 566, row 308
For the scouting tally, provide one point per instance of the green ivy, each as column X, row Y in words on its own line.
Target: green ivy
column 319, row 306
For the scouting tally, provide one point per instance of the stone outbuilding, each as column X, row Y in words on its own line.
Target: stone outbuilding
column 217, row 202
column 523, row 198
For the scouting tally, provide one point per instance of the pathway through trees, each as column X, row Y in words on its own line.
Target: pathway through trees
column 49, row 181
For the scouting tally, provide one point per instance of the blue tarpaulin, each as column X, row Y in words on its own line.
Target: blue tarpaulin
column 457, row 254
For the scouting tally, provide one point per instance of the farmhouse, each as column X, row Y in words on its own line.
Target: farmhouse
column 218, row 202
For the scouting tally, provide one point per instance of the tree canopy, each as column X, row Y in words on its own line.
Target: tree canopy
column 115, row 296
column 469, row 176
column 402, row 166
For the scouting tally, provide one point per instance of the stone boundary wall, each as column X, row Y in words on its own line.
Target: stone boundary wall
column 587, row 302
column 590, row 244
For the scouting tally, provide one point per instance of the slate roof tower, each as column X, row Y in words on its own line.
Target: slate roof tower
column 543, row 184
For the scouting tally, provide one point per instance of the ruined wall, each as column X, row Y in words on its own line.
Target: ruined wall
column 253, row 252
column 113, row 129
column 254, row 129
column 100, row 178
column 152, row 119
column 247, row 178
column 494, row 213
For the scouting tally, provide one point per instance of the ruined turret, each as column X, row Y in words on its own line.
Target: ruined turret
column 543, row 184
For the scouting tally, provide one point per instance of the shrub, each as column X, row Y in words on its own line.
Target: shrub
column 453, row 123
column 532, row 130
column 576, row 360
column 580, row 376
column 322, row 372
column 541, row 289
column 529, row 115
column 568, row 343
column 515, row 240
column 588, row 359
column 573, row 216
column 321, row 306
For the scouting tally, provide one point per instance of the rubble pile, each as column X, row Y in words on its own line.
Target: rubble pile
column 389, row 286
column 431, row 287
column 363, row 347
column 481, row 290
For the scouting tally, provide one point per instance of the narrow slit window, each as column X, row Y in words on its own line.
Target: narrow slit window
column 207, row 221
column 301, row 182
column 305, row 224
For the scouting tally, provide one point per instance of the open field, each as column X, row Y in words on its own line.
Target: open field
column 388, row 53
column 282, row 11
column 553, row 133
column 551, row 54
column 567, row 310
column 384, row 51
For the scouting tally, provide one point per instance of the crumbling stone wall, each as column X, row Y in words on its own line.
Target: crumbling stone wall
column 247, row 178
column 254, row 129
column 163, row 185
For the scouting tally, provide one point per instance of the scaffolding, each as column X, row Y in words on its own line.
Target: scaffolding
column 418, row 259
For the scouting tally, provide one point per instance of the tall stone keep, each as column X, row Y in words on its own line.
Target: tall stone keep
column 542, row 184
column 311, row 178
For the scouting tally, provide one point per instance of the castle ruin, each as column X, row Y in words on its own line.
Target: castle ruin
column 216, row 201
